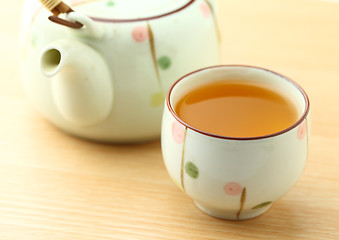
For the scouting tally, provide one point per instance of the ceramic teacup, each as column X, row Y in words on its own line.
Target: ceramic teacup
column 230, row 177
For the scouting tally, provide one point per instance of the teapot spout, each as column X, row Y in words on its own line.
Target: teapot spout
column 81, row 82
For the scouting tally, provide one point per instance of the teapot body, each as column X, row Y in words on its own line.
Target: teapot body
column 144, row 56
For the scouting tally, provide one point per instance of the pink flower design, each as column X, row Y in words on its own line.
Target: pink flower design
column 233, row 188
column 302, row 130
column 140, row 33
column 205, row 9
column 178, row 132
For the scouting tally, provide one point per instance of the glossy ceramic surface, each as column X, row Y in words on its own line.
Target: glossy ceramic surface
column 107, row 81
column 234, row 178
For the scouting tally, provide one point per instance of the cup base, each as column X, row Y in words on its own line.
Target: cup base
column 232, row 215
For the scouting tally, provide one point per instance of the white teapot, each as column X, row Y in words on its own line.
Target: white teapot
column 107, row 80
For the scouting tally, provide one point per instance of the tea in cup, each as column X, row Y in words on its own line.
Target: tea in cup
column 235, row 138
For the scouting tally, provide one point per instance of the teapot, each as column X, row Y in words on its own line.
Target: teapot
column 107, row 79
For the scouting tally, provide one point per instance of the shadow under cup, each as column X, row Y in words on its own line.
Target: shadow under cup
column 229, row 177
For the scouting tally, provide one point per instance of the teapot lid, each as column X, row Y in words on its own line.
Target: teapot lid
column 129, row 10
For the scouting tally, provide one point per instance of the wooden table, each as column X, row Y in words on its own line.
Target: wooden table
column 54, row 186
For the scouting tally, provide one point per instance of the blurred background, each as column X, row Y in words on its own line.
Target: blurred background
column 52, row 188
column 299, row 27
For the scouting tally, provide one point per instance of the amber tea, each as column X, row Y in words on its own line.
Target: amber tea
column 237, row 109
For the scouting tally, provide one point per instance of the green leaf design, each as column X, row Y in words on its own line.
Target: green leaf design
column 110, row 3
column 242, row 202
column 164, row 62
column 157, row 99
column 192, row 170
column 34, row 39
column 262, row 205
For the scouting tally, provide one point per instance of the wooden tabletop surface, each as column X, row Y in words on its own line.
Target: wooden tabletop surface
column 54, row 186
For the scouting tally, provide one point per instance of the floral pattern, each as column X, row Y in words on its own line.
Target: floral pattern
column 157, row 99
column 110, row 3
column 164, row 62
column 192, row 170
column 178, row 132
column 140, row 34
column 233, row 188
column 205, row 9
column 302, row 129
column 264, row 204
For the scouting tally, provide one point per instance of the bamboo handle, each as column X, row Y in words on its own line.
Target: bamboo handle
column 56, row 6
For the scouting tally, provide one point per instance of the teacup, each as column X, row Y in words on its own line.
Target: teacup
column 234, row 177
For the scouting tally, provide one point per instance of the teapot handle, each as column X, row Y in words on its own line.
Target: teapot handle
column 80, row 22
column 64, row 22
column 57, row 7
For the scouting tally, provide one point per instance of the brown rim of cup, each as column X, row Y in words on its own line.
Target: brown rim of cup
column 108, row 20
column 301, row 119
